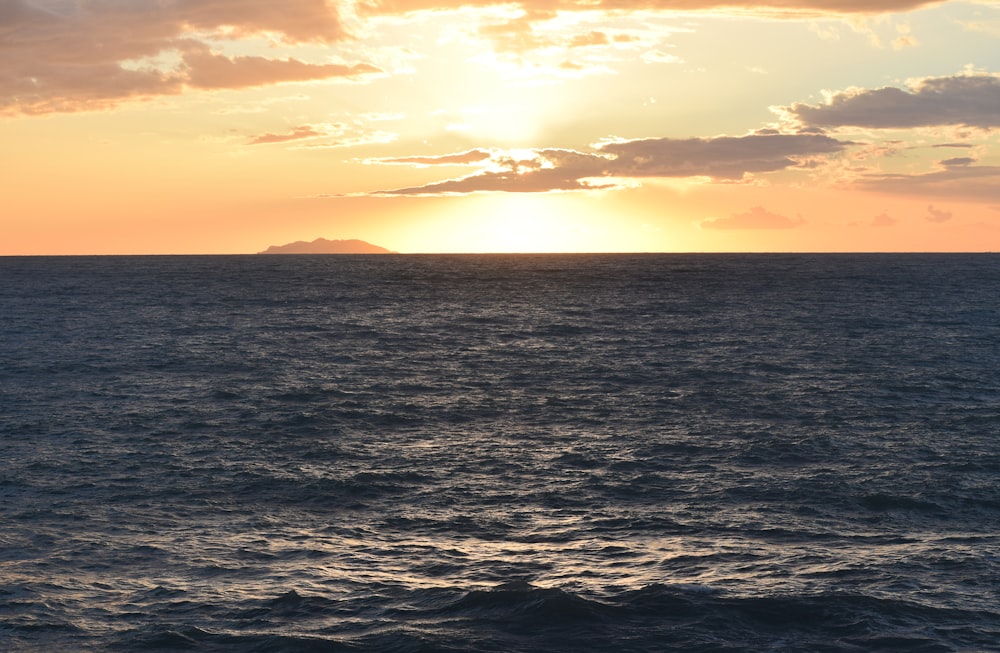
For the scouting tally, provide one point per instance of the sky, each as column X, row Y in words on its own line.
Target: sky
column 227, row 126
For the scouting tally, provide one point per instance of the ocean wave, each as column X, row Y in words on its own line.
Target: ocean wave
column 520, row 616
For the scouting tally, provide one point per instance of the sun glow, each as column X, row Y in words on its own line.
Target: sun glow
column 526, row 223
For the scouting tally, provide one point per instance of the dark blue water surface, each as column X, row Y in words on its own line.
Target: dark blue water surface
column 500, row 453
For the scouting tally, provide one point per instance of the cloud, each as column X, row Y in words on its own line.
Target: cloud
column 78, row 56
column 522, row 29
column 971, row 100
column 507, row 182
column 96, row 55
column 905, row 39
column 534, row 171
column 960, row 182
column 937, row 215
column 883, row 220
column 328, row 135
column 296, row 134
column 208, row 70
column 958, row 161
column 990, row 27
column 527, row 31
column 793, row 7
column 461, row 158
column 756, row 218
column 315, row 21
column 659, row 56
column 722, row 158
column 589, row 39
column 339, row 135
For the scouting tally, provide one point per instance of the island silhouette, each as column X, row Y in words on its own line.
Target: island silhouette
column 324, row 246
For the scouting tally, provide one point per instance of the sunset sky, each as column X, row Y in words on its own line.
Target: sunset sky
column 226, row 126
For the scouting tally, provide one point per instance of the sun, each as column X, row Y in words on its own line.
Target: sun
column 523, row 223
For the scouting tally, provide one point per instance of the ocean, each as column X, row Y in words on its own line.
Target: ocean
column 500, row 453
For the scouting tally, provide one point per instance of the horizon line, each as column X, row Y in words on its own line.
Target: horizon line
column 580, row 253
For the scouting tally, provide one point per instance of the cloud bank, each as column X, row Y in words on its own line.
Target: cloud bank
column 95, row 55
column 62, row 56
column 725, row 158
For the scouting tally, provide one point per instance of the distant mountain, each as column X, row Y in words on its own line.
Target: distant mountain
column 324, row 246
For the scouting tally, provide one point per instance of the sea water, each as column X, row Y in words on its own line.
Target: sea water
column 500, row 453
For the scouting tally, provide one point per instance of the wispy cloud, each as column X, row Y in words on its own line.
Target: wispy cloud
column 958, row 161
column 296, row 134
column 883, row 220
column 461, row 158
column 937, row 215
column 961, row 182
column 328, row 135
column 756, row 218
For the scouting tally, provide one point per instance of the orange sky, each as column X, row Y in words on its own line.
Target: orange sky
column 226, row 126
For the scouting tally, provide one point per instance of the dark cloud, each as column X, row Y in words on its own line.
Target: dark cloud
column 95, row 55
column 724, row 158
column 756, row 218
column 971, row 100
